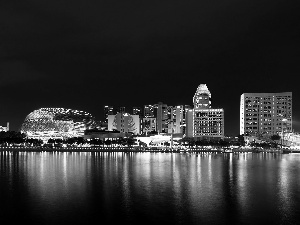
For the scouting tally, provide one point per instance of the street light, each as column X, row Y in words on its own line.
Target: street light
column 282, row 133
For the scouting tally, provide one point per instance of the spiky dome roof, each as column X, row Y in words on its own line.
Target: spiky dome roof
column 202, row 97
column 202, row 89
column 56, row 119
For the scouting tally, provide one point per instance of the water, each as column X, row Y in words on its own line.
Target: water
column 149, row 188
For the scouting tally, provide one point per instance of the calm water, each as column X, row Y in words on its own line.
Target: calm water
column 150, row 188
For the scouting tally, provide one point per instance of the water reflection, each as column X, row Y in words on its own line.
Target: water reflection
column 46, row 187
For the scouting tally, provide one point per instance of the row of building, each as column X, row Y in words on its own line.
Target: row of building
column 198, row 121
column 260, row 114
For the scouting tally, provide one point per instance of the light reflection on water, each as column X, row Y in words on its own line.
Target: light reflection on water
column 59, row 188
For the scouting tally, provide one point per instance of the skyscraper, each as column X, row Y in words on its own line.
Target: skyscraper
column 265, row 113
column 204, row 121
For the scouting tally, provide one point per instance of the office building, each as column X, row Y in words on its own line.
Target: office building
column 204, row 122
column 265, row 113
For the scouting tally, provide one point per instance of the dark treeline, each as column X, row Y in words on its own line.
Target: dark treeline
column 18, row 138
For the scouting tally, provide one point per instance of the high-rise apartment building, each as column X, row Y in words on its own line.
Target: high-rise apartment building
column 203, row 121
column 265, row 113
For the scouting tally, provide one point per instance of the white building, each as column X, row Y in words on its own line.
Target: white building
column 124, row 122
column 265, row 113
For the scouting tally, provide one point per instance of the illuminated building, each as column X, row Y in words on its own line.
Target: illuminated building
column 178, row 119
column 136, row 111
column 108, row 110
column 149, row 111
column 149, row 124
column 265, row 113
column 56, row 123
column 204, row 121
column 149, row 119
column 5, row 129
column 162, row 118
column 124, row 122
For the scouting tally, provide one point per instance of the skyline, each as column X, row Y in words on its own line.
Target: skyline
column 80, row 56
column 127, row 110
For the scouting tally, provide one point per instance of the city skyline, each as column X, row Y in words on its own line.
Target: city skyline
column 131, row 110
column 87, row 56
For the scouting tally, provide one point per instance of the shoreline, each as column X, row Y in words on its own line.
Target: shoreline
column 143, row 149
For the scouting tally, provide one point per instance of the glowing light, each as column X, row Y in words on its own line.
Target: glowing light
column 61, row 123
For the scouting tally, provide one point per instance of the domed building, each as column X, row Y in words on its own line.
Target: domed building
column 55, row 123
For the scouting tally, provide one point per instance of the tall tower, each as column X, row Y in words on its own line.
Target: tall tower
column 204, row 121
column 202, row 97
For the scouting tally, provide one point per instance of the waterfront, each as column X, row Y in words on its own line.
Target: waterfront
column 152, row 188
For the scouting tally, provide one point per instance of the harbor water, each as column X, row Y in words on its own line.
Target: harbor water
column 149, row 188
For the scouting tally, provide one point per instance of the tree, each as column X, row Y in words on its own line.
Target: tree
column 275, row 137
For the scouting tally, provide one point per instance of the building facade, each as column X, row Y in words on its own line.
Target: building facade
column 177, row 118
column 204, row 121
column 162, row 118
column 124, row 122
column 265, row 113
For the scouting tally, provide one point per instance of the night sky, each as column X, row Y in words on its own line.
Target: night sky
column 86, row 54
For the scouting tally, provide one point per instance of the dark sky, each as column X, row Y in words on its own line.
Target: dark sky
column 86, row 54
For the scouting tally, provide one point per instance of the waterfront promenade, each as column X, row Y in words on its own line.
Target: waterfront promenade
column 145, row 149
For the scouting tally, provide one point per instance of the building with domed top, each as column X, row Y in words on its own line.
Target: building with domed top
column 203, row 121
column 56, row 123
